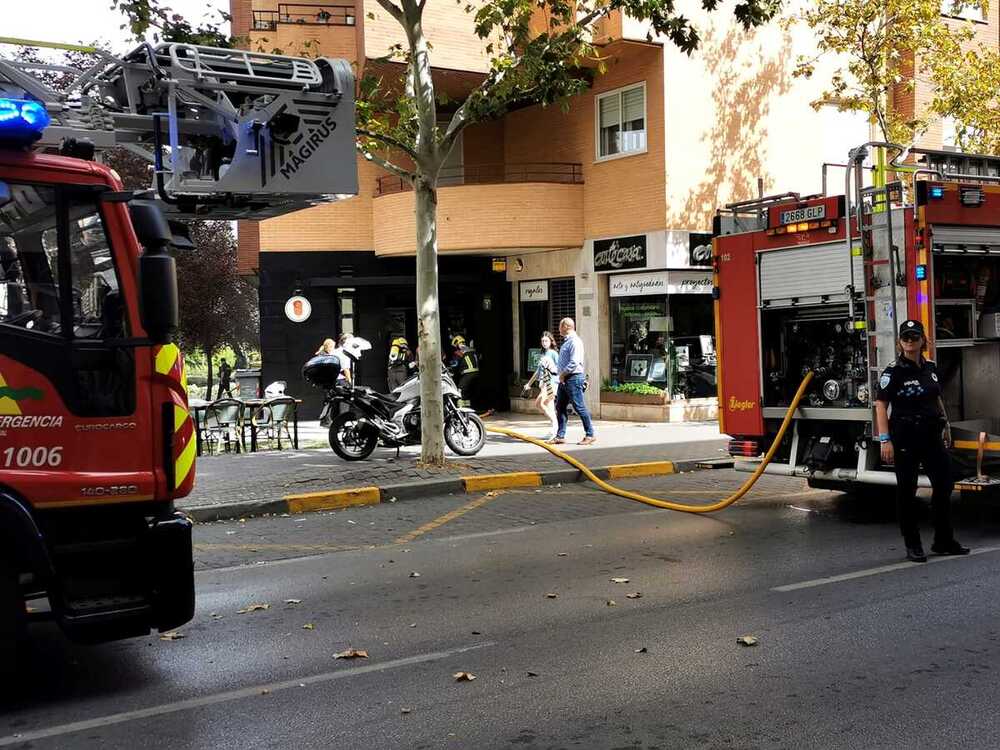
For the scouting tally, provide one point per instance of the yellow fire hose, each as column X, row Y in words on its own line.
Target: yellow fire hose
column 671, row 504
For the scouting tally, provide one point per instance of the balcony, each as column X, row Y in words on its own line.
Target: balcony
column 567, row 173
column 307, row 15
column 489, row 209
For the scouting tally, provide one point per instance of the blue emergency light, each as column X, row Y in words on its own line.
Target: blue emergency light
column 937, row 191
column 22, row 120
column 921, row 272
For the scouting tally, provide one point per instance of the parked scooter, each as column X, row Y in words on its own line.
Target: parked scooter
column 393, row 420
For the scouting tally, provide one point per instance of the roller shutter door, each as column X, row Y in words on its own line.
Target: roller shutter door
column 963, row 239
column 807, row 275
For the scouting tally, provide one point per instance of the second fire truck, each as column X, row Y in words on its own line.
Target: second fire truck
column 820, row 283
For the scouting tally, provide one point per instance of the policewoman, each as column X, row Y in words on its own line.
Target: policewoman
column 913, row 430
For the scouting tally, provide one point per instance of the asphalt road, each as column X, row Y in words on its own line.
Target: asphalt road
column 855, row 649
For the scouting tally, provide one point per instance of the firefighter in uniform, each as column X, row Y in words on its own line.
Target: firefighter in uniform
column 917, row 432
column 464, row 365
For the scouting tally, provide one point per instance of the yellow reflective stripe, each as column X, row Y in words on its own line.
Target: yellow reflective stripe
column 166, row 357
column 180, row 417
column 184, row 373
column 184, row 462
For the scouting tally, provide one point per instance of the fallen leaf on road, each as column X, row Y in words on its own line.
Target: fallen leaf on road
column 551, row 596
column 405, row 710
column 351, row 653
column 464, row 676
column 561, row 554
column 265, row 691
column 215, row 616
column 491, row 493
column 413, row 624
column 253, row 608
column 746, row 640
column 308, row 626
column 293, row 601
column 414, row 574
column 476, row 632
column 532, row 674
column 619, row 580
column 172, row 636
column 612, row 603
column 635, row 595
column 641, row 650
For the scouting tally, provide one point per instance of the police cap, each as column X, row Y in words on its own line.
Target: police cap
column 912, row 326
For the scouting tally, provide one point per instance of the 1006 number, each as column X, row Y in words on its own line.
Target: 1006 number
column 35, row 458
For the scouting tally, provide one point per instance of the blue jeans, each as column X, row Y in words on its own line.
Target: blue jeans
column 571, row 392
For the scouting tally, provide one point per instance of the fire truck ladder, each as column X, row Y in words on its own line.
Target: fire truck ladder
column 229, row 133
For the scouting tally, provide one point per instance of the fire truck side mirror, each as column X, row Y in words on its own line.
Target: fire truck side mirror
column 157, row 272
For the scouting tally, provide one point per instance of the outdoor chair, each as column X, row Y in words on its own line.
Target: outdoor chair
column 273, row 418
column 224, row 425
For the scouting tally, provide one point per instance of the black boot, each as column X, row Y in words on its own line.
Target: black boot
column 949, row 548
column 916, row 553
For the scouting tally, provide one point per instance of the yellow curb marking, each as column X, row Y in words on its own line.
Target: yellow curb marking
column 333, row 499
column 442, row 520
column 484, row 482
column 649, row 469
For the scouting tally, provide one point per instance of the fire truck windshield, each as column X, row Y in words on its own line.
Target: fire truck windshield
column 32, row 294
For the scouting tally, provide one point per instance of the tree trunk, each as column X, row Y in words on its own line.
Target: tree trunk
column 429, row 324
column 208, row 357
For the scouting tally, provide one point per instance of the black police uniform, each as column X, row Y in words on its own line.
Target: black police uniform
column 915, row 429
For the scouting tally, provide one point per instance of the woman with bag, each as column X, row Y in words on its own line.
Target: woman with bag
column 545, row 374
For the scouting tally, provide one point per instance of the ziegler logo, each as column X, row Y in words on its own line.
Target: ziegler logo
column 310, row 147
column 737, row 405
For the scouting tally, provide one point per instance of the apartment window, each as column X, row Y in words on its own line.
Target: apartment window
column 966, row 11
column 621, row 122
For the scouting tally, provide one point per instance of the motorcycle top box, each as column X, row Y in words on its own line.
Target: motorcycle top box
column 322, row 370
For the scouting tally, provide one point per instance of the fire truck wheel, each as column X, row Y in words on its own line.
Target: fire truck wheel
column 13, row 616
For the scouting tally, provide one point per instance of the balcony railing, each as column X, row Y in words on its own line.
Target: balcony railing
column 311, row 15
column 492, row 174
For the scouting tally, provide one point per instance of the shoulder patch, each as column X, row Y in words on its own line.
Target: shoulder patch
column 884, row 381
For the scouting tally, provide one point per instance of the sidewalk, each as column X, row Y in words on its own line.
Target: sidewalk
column 248, row 484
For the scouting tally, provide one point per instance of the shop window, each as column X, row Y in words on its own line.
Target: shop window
column 345, row 310
column 664, row 341
column 640, row 328
column 536, row 317
column 621, row 122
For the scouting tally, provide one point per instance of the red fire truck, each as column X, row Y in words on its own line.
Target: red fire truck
column 820, row 283
column 96, row 441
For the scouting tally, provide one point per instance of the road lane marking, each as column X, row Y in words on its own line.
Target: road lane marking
column 230, row 695
column 222, row 547
column 876, row 571
column 446, row 518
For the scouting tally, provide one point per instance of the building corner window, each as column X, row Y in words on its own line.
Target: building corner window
column 621, row 122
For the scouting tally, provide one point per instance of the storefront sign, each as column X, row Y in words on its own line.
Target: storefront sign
column 298, row 309
column 660, row 282
column 620, row 253
column 638, row 284
column 700, row 249
column 689, row 282
column 534, row 291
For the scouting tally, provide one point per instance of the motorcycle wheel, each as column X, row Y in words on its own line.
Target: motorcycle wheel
column 12, row 627
column 352, row 439
column 464, row 439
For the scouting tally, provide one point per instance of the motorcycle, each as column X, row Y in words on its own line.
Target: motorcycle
column 393, row 420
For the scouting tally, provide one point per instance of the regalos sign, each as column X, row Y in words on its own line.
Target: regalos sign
column 620, row 253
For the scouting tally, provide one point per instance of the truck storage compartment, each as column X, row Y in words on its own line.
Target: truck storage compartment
column 817, row 338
